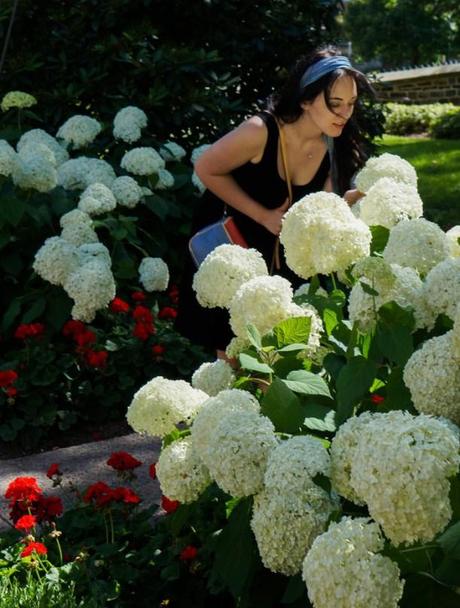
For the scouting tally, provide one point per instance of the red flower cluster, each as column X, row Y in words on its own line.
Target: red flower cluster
column 53, row 470
column 188, row 553
column 167, row 313
column 34, row 547
column 7, row 378
column 138, row 296
column 169, row 505
column 144, row 326
column 153, row 471
column 83, row 339
column 96, row 358
column 122, row 461
column 26, row 523
column 119, row 305
column 377, row 399
column 158, row 350
column 174, row 294
column 29, row 330
column 26, row 497
column 102, row 495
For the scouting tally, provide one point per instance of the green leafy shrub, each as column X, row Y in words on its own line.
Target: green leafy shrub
column 447, row 126
column 404, row 119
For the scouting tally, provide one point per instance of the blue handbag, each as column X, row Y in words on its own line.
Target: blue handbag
column 223, row 232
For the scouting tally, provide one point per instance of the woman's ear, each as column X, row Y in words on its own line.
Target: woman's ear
column 305, row 105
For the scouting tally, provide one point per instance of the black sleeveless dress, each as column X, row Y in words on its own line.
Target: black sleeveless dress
column 210, row 326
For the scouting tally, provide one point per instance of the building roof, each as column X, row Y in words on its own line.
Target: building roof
column 418, row 72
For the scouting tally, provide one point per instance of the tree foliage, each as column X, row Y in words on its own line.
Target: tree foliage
column 402, row 32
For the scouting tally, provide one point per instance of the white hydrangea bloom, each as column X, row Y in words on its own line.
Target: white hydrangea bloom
column 34, row 171
column 127, row 191
column 295, row 462
column 417, row 243
column 442, row 287
column 165, row 180
column 224, row 271
column 171, row 151
column 32, row 149
column 432, row 374
column 304, row 289
column 230, row 400
column 128, row 123
column 262, row 301
column 197, row 152
column 142, row 161
column 321, row 235
column 76, row 216
column 393, row 283
column 238, row 450
column 92, row 287
column 160, row 404
column 453, row 238
column 343, row 451
column 79, row 130
column 343, row 569
column 97, row 199
column 285, row 524
column 154, row 274
column 94, row 251
column 456, row 334
column 17, row 99
column 79, row 234
column 42, row 137
column 388, row 202
column 401, row 470
column 7, row 158
column 386, row 165
column 56, row 260
column 78, row 173
column 212, row 378
column 196, row 181
column 236, row 346
column 181, row 473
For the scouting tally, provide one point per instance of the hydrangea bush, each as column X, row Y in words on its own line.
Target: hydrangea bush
column 330, row 437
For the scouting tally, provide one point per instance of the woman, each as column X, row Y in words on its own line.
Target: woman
column 244, row 170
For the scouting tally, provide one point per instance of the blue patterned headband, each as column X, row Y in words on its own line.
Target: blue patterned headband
column 322, row 67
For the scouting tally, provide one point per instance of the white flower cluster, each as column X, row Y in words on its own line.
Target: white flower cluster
column 400, row 467
column 79, row 130
column 388, row 202
column 223, row 271
column 212, row 378
column 262, row 301
column 181, row 473
column 77, row 228
column 127, row 191
column 165, row 180
column 7, row 158
column 453, row 238
column 418, row 243
column 97, row 199
column 344, row 569
column 320, row 234
column 92, row 287
column 432, row 374
column 442, row 287
column 35, row 168
column 456, row 334
column 39, row 136
column 236, row 345
column 17, row 99
column 393, row 283
column 160, row 404
column 142, row 161
column 78, row 173
column 304, row 289
column 197, row 152
column 386, row 165
column 154, row 274
column 128, row 123
column 171, row 151
column 285, row 524
column 55, row 260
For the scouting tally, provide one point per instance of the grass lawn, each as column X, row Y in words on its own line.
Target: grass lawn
column 437, row 162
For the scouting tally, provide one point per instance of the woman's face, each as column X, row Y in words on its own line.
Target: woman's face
column 342, row 99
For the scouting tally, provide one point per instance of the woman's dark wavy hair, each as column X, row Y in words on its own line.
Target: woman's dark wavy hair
column 351, row 147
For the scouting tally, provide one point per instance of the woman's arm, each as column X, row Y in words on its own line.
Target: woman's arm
column 244, row 144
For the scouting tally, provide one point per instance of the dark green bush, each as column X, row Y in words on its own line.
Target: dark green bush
column 404, row 119
column 447, row 126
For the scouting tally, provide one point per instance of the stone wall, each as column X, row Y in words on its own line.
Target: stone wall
column 440, row 83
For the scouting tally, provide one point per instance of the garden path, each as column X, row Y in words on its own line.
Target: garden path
column 83, row 465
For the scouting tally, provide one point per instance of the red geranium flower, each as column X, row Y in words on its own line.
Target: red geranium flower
column 26, row 523
column 126, row 495
column 119, row 305
column 49, row 507
column 153, row 471
column 96, row 358
column 377, row 399
column 158, row 350
column 23, row 489
column 142, row 314
column 7, row 377
column 142, row 331
column 188, row 553
column 73, row 328
column 122, row 461
column 53, row 470
column 138, row 296
column 100, row 492
column 169, row 505
column 84, row 338
column 167, row 313
column 11, row 391
column 34, row 547
column 174, row 294
column 29, row 330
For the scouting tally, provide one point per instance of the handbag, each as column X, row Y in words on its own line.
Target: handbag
column 223, row 232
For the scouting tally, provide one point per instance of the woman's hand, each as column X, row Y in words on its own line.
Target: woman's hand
column 271, row 219
column 352, row 196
